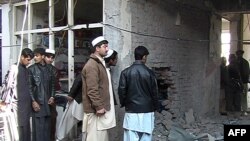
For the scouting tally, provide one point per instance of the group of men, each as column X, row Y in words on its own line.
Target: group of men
column 234, row 85
column 137, row 93
column 31, row 94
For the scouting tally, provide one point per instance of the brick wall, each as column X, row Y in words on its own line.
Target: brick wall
column 185, row 48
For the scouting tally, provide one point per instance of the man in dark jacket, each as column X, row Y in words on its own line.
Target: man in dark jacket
column 49, row 59
column 23, row 97
column 76, row 90
column 233, row 90
column 42, row 94
column 243, row 66
column 138, row 94
column 15, row 97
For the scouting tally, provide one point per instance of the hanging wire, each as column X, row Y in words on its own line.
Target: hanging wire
column 75, row 3
column 60, row 44
column 64, row 13
column 155, row 36
column 70, row 27
column 125, row 30
column 166, row 38
column 56, row 2
column 121, row 29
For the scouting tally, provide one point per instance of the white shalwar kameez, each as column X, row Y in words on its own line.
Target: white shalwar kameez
column 95, row 128
column 138, row 126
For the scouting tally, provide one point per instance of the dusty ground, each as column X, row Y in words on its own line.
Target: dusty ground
column 183, row 129
column 201, row 127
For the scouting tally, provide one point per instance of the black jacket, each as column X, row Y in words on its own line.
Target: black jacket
column 42, row 83
column 76, row 89
column 137, row 89
column 54, row 70
column 243, row 66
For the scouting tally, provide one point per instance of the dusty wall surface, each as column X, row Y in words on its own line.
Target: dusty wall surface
column 187, row 45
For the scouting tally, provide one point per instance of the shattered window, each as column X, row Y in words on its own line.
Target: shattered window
column 62, row 25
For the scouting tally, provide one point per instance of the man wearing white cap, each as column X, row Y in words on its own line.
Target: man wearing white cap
column 49, row 56
column 111, row 60
column 49, row 59
column 98, row 102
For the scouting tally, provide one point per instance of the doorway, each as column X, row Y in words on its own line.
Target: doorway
column 225, row 38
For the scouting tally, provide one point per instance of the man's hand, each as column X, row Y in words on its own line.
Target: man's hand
column 51, row 100
column 70, row 99
column 101, row 112
column 35, row 106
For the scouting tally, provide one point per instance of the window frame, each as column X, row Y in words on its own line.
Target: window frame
column 52, row 29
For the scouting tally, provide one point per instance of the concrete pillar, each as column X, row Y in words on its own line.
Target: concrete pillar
column 6, row 39
column 235, row 31
column 246, row 36
column 70, row 44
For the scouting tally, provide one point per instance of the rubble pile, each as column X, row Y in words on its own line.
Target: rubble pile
column 187, row 127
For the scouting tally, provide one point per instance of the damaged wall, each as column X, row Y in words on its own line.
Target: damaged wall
column 185, row 48
column 182, row 37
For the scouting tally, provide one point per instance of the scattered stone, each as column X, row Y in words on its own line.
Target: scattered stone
column 189, row 117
